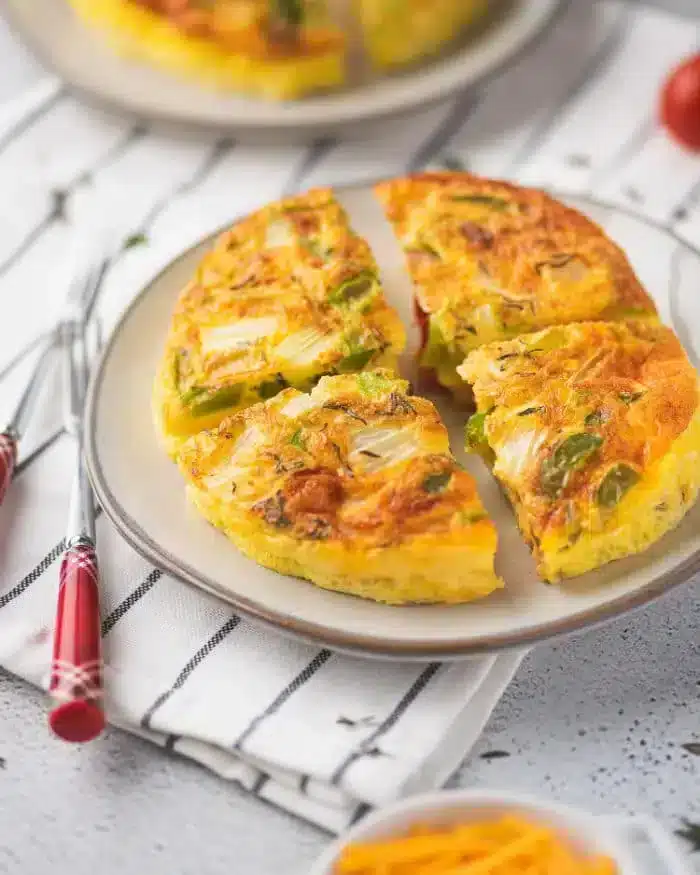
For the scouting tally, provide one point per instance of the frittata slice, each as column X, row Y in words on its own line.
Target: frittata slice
column 277, row 49
column 594, row 433
column 352, row 487
column 490, row 260
column 286, row 296
column 400, row 32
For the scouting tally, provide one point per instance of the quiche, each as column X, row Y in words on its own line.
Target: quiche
column 351, row 486
column 286, row 296
column 278, row 49
column 399, row 32
column 490, row 260
column 593, row 430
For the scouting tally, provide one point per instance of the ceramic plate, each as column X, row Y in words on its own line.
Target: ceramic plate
column 141, row 490
column 61, row 40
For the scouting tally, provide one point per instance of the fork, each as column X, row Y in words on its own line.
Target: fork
column 15, row 428
column 76, row 684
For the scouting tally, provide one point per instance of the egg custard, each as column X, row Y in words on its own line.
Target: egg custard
column 399, row 33
column 352, row 487
column 594, row 433
column 278, row 49
column 286, row 296
column 490, row 260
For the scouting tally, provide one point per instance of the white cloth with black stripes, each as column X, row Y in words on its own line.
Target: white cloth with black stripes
column 319, row 734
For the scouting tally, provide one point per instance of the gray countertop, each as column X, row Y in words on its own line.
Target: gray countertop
column 599, row 720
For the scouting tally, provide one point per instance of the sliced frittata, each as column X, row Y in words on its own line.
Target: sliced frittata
column 278, row 49
column 594, row 432
column 286, row 296
column 399, row 32
column 490, row 260
column 352, row 487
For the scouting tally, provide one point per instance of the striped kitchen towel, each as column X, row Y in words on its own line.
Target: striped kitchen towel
column 320, row 734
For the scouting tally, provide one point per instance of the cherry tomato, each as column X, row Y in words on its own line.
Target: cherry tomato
column 421, row 318
column 680, row 103
column 427, row 380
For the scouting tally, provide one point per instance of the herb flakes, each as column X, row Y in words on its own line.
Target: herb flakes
column 272, row 511
column 630, row 397
column 344, row 408
column 435, row 483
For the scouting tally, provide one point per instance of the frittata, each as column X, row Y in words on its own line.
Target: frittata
column 277, row 49
column 399, row 32
column 594, row 432
column 490, row 260
column 286, row 296
column 352, row 487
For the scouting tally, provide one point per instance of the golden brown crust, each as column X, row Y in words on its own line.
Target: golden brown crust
column 247, row 27
column 627, row 388
column 286, row 295
column 314, row 476
column 490, row 260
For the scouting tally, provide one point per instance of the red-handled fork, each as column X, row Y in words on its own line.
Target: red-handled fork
column 14, row 430
column 76, row 683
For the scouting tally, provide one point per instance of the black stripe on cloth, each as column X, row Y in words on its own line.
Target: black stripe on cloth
column 28, row 120
column 313, row 156
column 305, row 675
column 368, row 743
column 260, row 782
column 170, row 742
column 38, row 451
column 111, row 620
column 597, row 65
column 362, row 809
column 36, row 572
column 304, row 784
column 26, row 243
column 631, row 147
column 462, row 107
column 20, row 356
column 133, row 135
column 214, row 157
column 680, row 210
column 191, row 665
column 54, row 214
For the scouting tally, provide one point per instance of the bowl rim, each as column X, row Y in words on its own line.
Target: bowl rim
column 591, row 830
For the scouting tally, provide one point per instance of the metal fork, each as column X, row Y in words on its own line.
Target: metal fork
column 10, row 437
column 76, row 684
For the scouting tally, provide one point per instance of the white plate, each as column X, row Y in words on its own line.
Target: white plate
column 142, row 492
column 63, row 43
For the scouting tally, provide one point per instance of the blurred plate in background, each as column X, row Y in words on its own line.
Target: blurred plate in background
column 87, row 64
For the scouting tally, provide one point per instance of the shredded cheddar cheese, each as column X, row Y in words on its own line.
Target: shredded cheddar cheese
column 507, row 846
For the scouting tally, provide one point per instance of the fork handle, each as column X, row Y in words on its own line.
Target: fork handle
column 8, row 460
column 76, row 671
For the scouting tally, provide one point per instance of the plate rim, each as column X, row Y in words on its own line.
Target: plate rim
column 368, row 646
column 548, row 16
